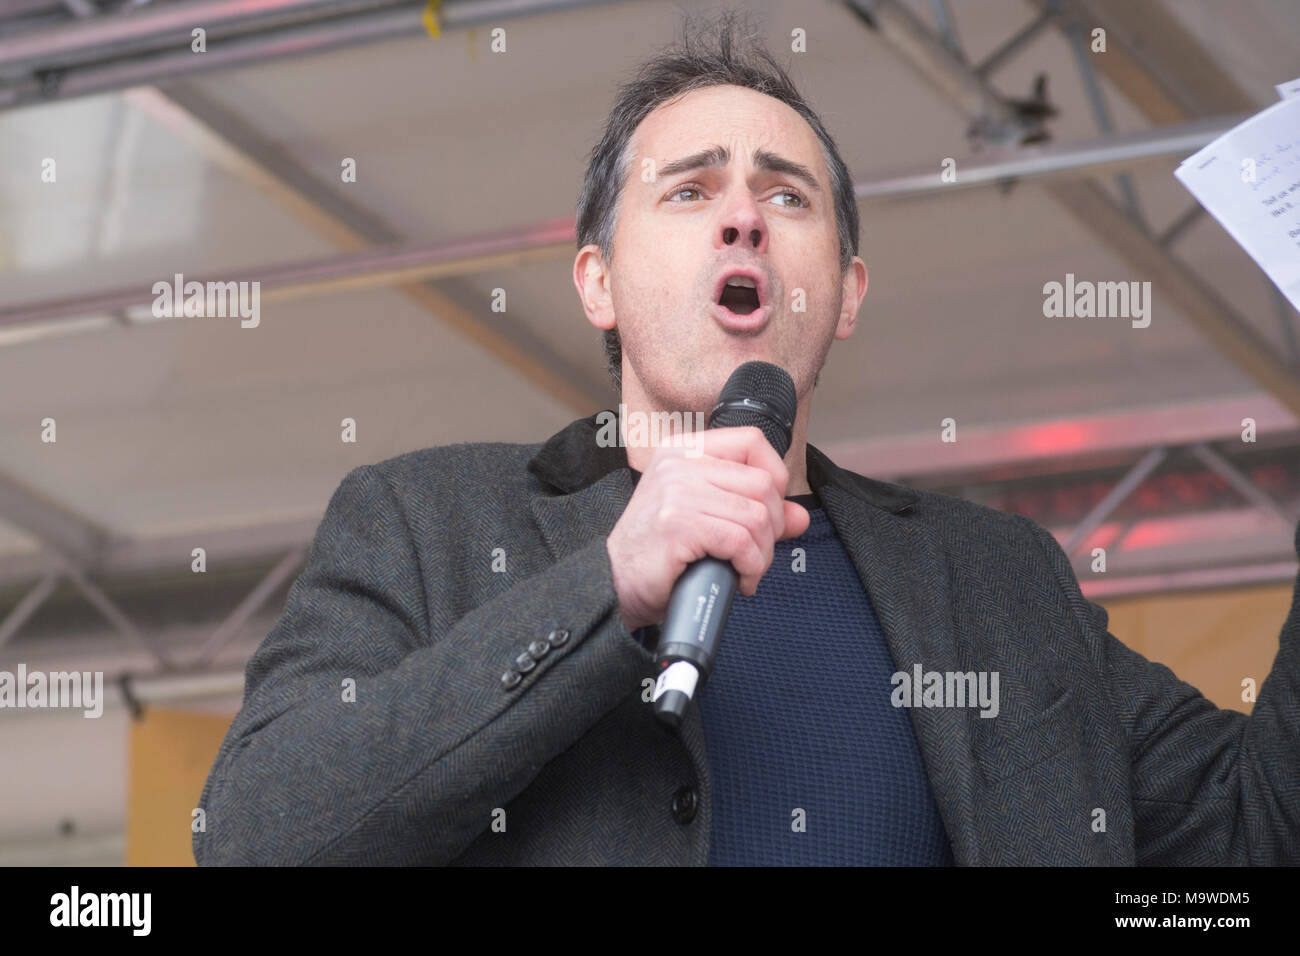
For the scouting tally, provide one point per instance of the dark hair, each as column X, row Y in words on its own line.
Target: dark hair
column 716, row 57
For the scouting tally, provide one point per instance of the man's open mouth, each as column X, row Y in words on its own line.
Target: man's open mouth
column 740, row 295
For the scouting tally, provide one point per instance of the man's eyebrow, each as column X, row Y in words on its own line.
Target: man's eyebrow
column 763, row 159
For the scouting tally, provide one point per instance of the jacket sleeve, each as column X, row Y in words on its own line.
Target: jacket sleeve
column 407, row 766
column 1210, row 786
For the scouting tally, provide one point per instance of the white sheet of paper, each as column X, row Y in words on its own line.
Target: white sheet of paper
column 1288, row 90
column 1249, row 180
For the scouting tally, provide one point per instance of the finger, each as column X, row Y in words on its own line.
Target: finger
column 797, row 520
column 753, row 516
column 748, row 482
column 732, row 542
column 745, row 444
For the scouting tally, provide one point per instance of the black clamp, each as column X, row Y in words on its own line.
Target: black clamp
column 132, row 702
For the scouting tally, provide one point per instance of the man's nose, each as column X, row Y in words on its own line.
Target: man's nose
column 743, row 225
column 731, row 235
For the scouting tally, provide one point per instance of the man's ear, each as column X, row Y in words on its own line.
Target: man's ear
column 852, row 290
column 591, row 279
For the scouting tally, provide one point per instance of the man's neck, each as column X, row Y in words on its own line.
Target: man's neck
column 796, row 459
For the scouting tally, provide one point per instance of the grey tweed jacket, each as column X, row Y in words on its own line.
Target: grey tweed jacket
column 426, row 698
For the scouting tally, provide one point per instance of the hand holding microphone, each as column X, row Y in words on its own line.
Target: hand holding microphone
column 700, row 527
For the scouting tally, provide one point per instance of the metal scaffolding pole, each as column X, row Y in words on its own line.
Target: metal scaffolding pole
column 391, row 264
column 1114, row 498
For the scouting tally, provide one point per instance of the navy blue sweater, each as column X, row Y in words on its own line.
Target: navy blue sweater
column 810, row 763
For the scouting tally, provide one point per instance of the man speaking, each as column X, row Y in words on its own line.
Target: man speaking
column 465, row 672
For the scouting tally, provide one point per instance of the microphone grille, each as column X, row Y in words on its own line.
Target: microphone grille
column 760, row 394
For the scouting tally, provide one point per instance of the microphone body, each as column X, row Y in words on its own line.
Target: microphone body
column 757, row 393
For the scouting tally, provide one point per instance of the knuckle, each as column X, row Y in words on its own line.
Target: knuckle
column 738, row 537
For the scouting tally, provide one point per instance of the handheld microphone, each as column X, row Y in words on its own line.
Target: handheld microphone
column 757, row 393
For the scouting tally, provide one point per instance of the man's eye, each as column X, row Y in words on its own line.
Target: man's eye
column 798, row 197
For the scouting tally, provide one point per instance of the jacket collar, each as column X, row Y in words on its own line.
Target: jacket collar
column 571, row 459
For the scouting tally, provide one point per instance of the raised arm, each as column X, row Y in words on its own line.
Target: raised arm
column 1210, row 786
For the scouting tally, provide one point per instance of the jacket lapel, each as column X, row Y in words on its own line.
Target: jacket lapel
column 597, row 485
column 897, row 559
column 906, row 579
column 568, row 522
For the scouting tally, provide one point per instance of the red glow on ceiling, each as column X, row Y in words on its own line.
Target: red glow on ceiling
column 1057, row 438
column 1154, row 533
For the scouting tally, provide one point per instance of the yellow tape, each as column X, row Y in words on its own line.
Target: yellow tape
column 430, row 18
